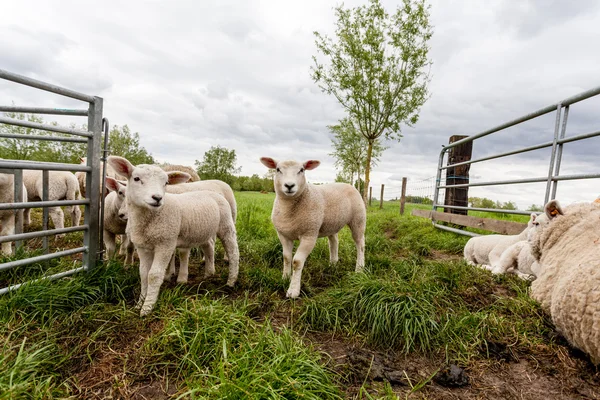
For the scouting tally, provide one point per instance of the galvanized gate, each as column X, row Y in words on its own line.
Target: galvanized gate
column 553, row 177
column 91, row 225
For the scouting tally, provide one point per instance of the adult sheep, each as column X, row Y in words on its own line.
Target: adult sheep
column 305, row 212
column 568, row 286
column 183, row 168
column 486, row 250
column 7, row 217
column 62, row 185
column 159, row 222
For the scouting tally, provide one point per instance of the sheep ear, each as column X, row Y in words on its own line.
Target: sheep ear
column 268, row 162
column 121, row 165
column 532, row 217
column 82, row 160
column 311, row 164
column 176, row 177
column 111, row 184
column 553, row 209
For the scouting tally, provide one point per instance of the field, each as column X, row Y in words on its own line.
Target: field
column 384, row 334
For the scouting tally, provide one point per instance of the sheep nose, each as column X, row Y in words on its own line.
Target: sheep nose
column 289, row 186
column 157, row 197
column 122, row 216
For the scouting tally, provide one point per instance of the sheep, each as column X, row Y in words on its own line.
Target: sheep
column 7, row 217
column 568, row 286
column 82, row 176
column 305, row 212
column 519, row 260
column 62, row 185
column 158, row 222
column 114, row 223
column 191, row 171
column 486, row 250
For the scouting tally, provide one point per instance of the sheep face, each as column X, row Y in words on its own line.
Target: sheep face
column 146, row 184
column 289, row 179
column 534, row 235
column 121, row 190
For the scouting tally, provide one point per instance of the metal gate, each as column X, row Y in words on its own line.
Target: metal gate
column 91, row 225
column 559, row 140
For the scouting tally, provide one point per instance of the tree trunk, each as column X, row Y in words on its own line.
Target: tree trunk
column 352, row 178
column 368, row 171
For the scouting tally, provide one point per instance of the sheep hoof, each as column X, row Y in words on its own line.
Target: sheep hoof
column 181, row 280
column 231, row 283
column 292, row 294
column 145, row 311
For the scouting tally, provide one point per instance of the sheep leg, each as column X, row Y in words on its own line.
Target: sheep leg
column 58, row 218
column 156, row 275
column 171, row 272
column 307, row 244
column 146, row 259
column 333, row 248
column 8, row 228
column 231, row 248
column 184, row 258
column 288, row 249
column 358, row 234
column 130, row 248
column 208, row 249
column 75, row 215
column 123, row 247
column 110, row 243
column 27, row 217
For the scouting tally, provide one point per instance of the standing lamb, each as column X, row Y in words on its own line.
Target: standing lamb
column 81, row 176
column 114, row 223
column 160, row 222
column 486, row 250
column 568, row 287
column 305, row 212
column 62, row 185
column 7, row 217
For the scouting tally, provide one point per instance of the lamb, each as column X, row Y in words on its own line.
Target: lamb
column 519, row 260
column 81, row 177
column 486, row 250
column 62, row 185
column 160, row 222
column 568, row 286
column 7, row 217
column 114, row 223
column 183, row 168
column 305, row 212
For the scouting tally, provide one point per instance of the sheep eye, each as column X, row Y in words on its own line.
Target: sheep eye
column 120, row 193
column 137, row 179
column 278, row 170
column 301, row 170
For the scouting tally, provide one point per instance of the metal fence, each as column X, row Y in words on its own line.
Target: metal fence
column 91, row 225
column 552, row 178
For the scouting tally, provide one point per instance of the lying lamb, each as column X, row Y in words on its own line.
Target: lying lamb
column 568, row 286
column 305, row 212
column 160, row 222
column 7, row 217
column 486, row 250
column 62, row 185
column 519, row 260
column 114, row 223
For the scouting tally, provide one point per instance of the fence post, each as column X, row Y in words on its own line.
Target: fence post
column 370, row 195
column 403, row 196
column 458, row 175
column 381, row 198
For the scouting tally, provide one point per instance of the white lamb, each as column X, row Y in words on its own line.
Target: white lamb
column 7, row 217
column 160, row 222
column 305, row 212
column 62, row 185
column 486, row 250
column 568, row 286
column 81, row 176
column 114, row 221
column 183, row 168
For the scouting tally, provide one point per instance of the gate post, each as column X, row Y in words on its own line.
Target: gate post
column 458, row 175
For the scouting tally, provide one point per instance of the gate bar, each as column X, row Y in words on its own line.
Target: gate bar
column 9, row 76
column 49, row 232
column 44, row 127
column 37, row 165
column 44, row 110
column 45, row 278
column 45, row 257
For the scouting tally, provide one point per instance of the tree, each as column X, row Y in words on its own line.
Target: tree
column 378, row 68
column 535, row 207
column 350, row 149
column 218, row 163
column 122, row 142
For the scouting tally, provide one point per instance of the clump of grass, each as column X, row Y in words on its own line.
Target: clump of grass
column 222, row 353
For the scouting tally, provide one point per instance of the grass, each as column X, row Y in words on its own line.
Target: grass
column 81, row 337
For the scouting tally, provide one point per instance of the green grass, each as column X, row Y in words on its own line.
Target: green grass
column 204, row 340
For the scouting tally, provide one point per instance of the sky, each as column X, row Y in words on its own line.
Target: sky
column 188, row 75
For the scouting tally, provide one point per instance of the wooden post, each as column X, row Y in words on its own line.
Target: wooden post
column 458, row 175
column 403, row 197
column 370, row 195
column 381, row 198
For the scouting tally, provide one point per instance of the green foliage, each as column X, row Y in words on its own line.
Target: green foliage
column 218, row 163
column 377, row 67
column 536, row 208
column 122, row 142
column 350, row 149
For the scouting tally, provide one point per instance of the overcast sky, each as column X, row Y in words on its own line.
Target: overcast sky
column 188, row 75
